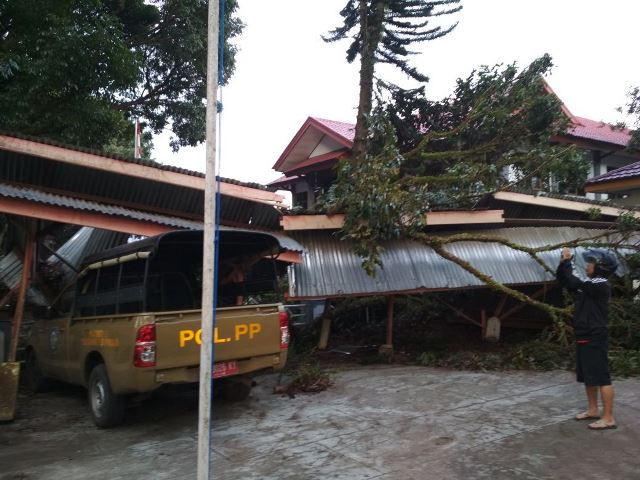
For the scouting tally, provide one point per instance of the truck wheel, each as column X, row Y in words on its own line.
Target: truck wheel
column 107, row 408
column 235, row 389
column 34, row 380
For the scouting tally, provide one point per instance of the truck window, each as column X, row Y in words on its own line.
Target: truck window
column 171, row 291
column 177, row 293
column 131, row 292
column 85, row 306
column 106, row 296
column 65, row 303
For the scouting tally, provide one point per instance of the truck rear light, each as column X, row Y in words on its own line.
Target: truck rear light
column 144, row 353
column 284, row 330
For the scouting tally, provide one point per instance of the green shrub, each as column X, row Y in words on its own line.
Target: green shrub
column 540, row 355
column 624, row 363
column 310, row 378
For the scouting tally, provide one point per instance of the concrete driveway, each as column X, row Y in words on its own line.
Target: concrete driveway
column 392, row 422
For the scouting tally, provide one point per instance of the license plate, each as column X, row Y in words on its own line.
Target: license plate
column 224, row 369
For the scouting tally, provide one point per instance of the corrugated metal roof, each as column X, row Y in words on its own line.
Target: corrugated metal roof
column 287, row 243
column 234, row 210
column 130, row 191
column 331, row 269
column 138, row 161
column 86, row 241
column 11, row 276
column 34, row 195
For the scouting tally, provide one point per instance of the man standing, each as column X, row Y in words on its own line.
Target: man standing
column 591, row 331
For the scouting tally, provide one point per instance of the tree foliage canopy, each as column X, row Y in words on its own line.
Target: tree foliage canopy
column 633, row 108
column 79, row 71
column 491, row 133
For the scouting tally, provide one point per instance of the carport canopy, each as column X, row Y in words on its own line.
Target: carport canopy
column 67, row 184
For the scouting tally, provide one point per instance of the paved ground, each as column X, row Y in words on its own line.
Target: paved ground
column 377, row 422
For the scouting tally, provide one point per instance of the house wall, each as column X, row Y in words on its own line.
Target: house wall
column 303, row 188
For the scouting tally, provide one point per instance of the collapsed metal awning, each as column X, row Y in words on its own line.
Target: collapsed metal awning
column 330, row 269
column 89, row 188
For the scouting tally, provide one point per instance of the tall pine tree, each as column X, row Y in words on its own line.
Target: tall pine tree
column 633, row 108
column 383, row 31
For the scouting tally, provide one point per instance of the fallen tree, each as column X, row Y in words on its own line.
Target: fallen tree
column 412, row 155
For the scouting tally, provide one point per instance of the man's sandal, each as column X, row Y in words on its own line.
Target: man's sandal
column 586, row 416
column 602, row 425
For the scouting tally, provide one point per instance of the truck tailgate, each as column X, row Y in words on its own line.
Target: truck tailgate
column 241, row 332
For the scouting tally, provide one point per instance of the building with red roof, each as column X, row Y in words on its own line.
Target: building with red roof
column 308, row 160
column 623, row 183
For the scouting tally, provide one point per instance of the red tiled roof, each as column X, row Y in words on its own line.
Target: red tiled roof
column 581, row 128
column 345, row 130
column 282, row 180
column 599, row 131
column 622, row 173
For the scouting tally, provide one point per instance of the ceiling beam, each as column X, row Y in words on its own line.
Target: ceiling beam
column 54, row 213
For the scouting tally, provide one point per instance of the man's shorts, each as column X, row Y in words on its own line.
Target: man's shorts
column 592, row 362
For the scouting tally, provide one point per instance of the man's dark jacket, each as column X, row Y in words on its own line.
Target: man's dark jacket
column 592, row 302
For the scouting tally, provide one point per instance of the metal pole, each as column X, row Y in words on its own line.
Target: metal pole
column 206, row 348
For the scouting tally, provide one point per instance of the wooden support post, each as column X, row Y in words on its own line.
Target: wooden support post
column 387, row 348
column 325, row 330
column 501, row 304
column 461, row 314
column 390, row 302
column 22, row 292
column 520, row 306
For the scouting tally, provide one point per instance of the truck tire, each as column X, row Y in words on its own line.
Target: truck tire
column 34, row 380
column 235, row 389
column 107, row 408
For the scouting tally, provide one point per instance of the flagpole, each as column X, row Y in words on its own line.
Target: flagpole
column 206, row 348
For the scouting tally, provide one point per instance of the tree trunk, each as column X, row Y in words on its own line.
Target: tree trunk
column 371, row 31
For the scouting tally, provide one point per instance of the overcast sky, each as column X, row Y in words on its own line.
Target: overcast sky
column 285, row 72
